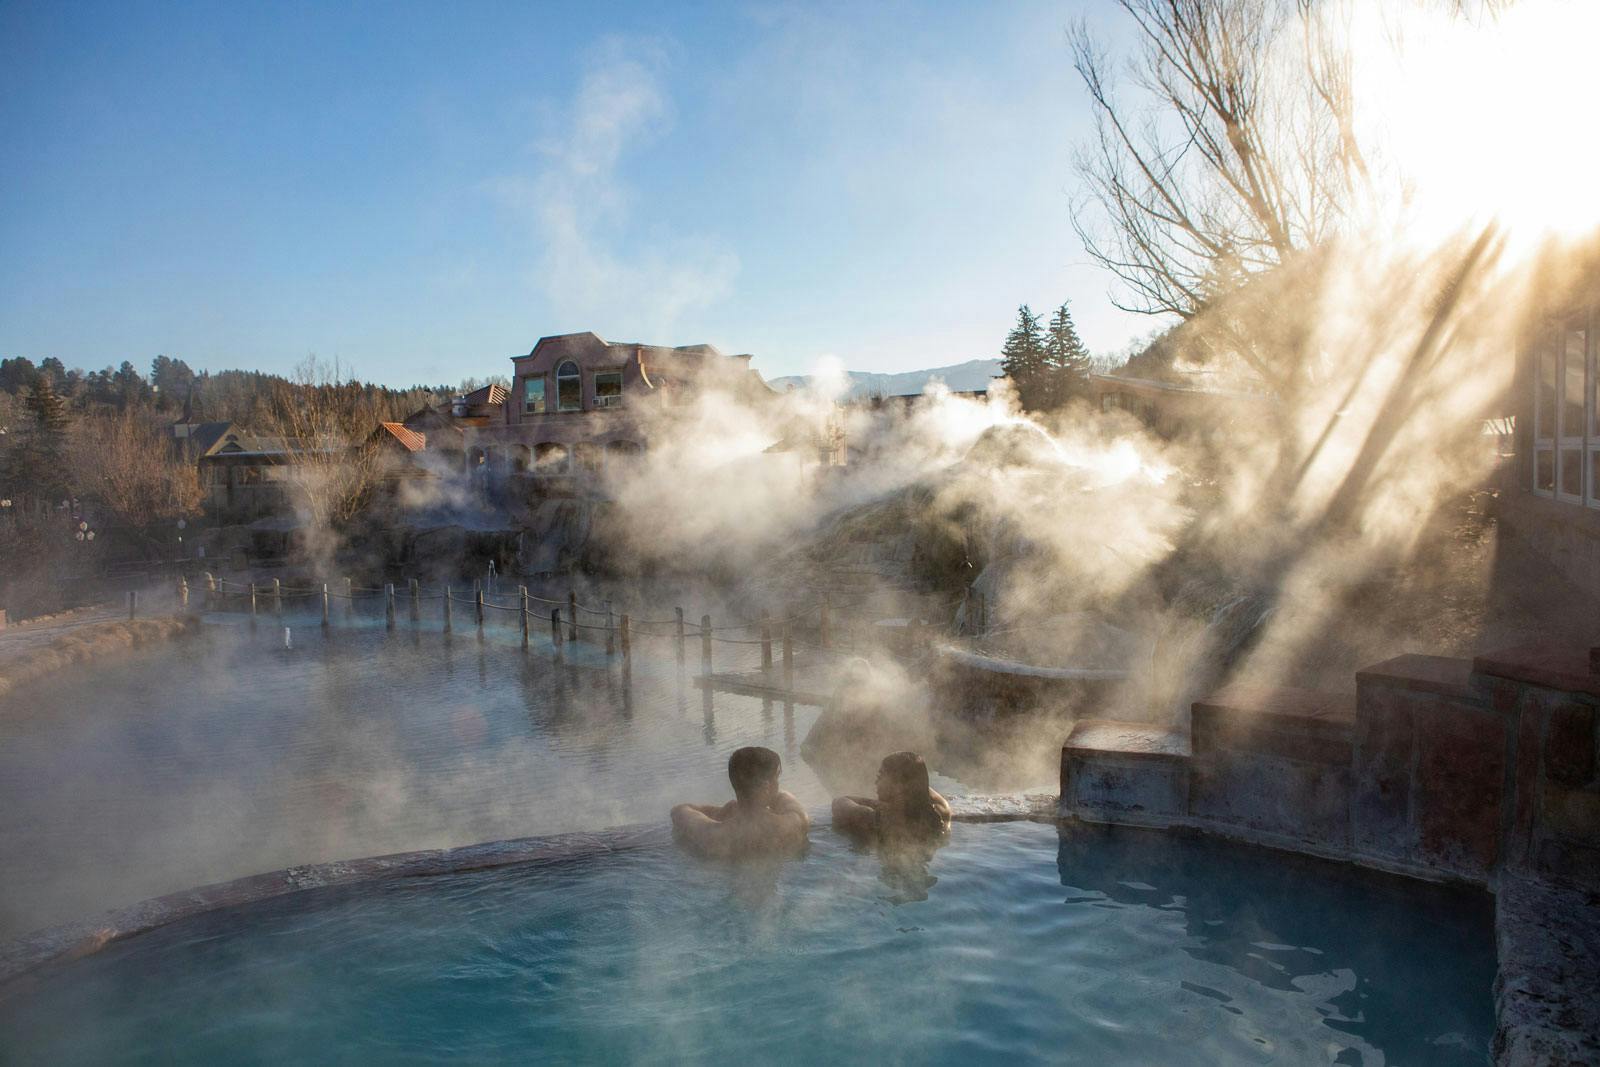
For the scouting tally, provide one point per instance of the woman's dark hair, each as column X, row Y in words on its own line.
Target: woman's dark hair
column 910, row 773
column 749, row 767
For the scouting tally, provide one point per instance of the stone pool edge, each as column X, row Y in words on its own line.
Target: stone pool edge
column 64, row 942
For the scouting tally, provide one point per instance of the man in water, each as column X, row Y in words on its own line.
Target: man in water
column 761, row 820
column 907, row 808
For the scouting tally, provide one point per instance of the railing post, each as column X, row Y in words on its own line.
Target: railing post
column 183, row 595
column 823, row 635
column 324, row 605
column 522, row 610
column 388, row 605
column 252, row 605
column 277, row 597
column 680, row 635
column 788, row 657
column 627, row 643
column 211, row 591
column 349, row 598
column 477, row 596
column 447, row 626
column 416, row 600
column 611, row 632
column 572, row 616
column 766, row 645
column 555, row 630
column 705, row 645
column 133, row 603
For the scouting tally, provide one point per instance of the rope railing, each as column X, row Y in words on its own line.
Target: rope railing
column 465, row 607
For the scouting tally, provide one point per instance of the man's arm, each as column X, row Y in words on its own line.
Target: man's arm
column 695, row 828
column 855, row 815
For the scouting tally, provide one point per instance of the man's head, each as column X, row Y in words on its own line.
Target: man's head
column 903, row 780
column 754, row 774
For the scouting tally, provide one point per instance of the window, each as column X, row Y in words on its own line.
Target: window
column 608, row 389
column 569, row 387
column 1566, row 420
column 549, row 458
column 533, row 396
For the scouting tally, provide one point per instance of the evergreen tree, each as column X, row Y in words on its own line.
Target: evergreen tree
column 40, row 461
column 1022, row 357
column 1067, row 360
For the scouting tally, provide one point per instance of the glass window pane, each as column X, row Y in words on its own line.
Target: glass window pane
column 1545, row 391
column 608, row 389
column 533, row 396
column 569, row 387
column 1573, row 358
column 1544, row 469
column 1572, row 471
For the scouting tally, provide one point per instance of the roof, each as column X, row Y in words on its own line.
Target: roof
column 487, row 395
column 410, row 439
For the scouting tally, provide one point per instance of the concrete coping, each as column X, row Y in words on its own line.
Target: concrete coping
column 75, row 939
column 1550, row 666
column 1308, row 710
column 1131, row 740
column 1422, row 674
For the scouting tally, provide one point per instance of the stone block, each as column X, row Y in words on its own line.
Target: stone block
column 1380, row 799
column 1530, row 732
column 1284, row 797
column 1125, row 772
column 1570, row 813
column 1569, row 744
column 1458, row 791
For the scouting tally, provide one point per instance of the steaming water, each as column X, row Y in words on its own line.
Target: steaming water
column 1015, row 945
column 230, row 755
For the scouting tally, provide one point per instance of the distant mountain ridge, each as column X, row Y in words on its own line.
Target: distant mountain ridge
column 960, row 377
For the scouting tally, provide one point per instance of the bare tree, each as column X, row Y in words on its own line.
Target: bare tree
column 1238, row 155
column 331, row 466
column 125, row 463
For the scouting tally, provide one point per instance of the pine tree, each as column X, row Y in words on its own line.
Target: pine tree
column 41, row 459
column 1067, row 361
column 1022, row 357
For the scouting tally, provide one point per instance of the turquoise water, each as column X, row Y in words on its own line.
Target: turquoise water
column 1017, row 943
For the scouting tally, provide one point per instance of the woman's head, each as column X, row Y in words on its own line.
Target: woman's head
column 903, row 781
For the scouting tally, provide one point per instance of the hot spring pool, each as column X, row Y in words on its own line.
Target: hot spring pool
column 1017, row 943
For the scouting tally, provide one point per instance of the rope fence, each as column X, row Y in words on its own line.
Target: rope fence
column 822, row 630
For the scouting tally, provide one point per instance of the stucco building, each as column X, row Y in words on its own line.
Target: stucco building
column 578, row 403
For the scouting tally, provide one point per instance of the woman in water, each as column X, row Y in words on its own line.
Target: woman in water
column 907, row 809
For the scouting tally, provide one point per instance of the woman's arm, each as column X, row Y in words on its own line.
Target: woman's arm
column 941, row 807
column 855, row 815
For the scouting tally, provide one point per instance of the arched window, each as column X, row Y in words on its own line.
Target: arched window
column 569, row 387
column 550, row 458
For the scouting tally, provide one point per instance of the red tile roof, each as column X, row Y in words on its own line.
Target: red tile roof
column 411, row 439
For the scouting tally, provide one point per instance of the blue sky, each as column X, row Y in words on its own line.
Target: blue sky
column 421, row 191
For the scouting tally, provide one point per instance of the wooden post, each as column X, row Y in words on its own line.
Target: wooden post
column 522, row 610
column 349, row 598
column 477, row 597
column 447, row 626
column 252, row 605
column 611, row 632
column 572, row 616
column 823, row 635
column 388, row 605
column 324, row 605
column 680, row 635
column 766, row 645
column 211, row 591
column 705, row 646
column 627, row 643
column 133, row 603
column 555, row 629
column 183, row 595
column 788, row 657
column 277, row 597
column 416, row 601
